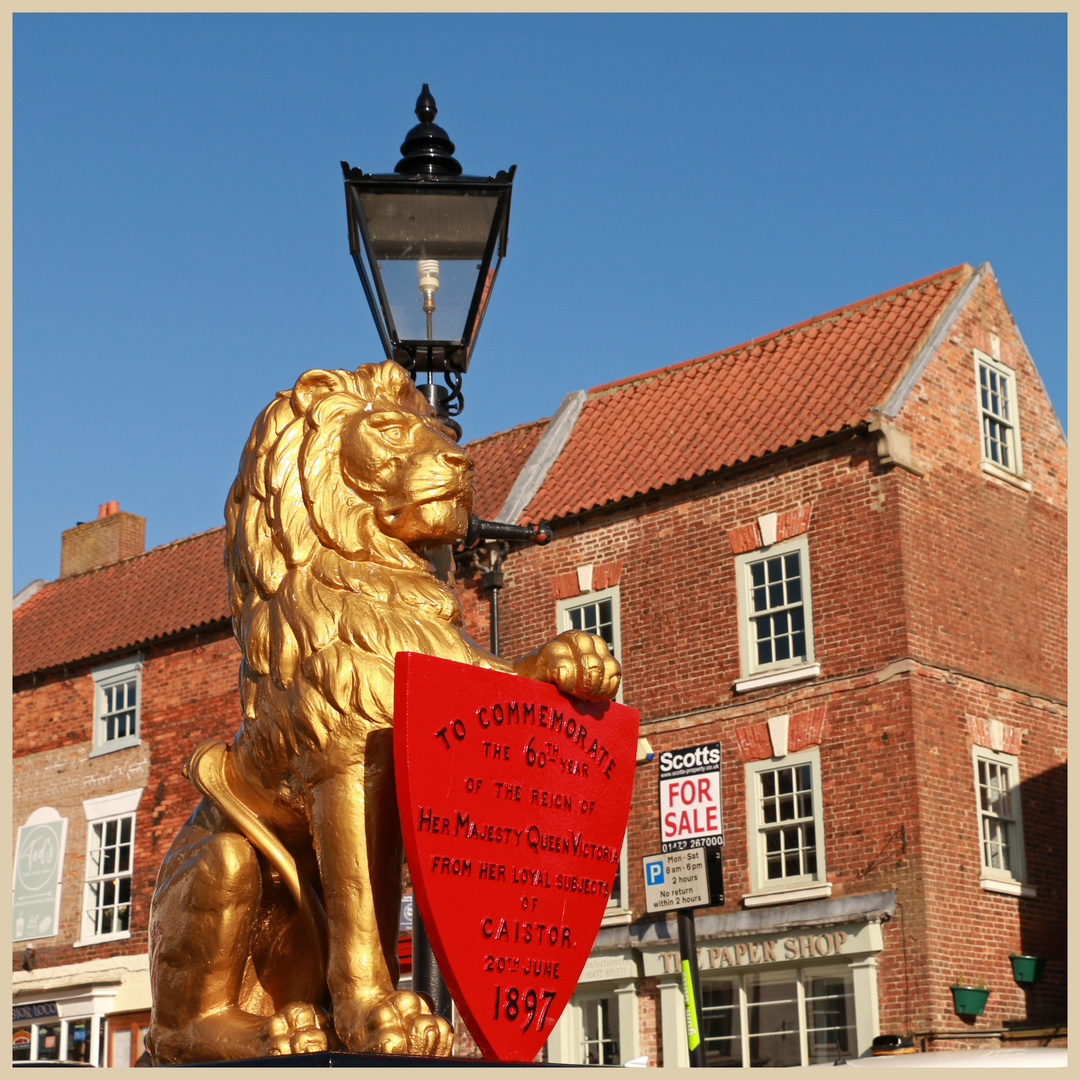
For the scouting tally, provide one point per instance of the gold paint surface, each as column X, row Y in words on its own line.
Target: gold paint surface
column 273, row 928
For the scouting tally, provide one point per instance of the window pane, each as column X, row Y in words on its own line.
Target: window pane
column 772, row 1021
column 78, row 1047
column 830, row 1017
column 121, row 1047
column 764, row 651
column 720, row 1023
column 20, row 1044
column 49, row 1042
column 600, row 1022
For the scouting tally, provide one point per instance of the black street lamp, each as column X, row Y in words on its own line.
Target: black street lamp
column 427, row 243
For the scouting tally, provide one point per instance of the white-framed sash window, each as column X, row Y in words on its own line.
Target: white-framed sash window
column 110, row 858
column 117, row 705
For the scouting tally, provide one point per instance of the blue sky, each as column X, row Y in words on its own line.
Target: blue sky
column 684, row 183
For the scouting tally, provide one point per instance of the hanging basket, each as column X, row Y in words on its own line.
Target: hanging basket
column 1027, row 969
column 969, row 1000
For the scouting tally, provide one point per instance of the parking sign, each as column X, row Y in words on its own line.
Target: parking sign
column 676, row 880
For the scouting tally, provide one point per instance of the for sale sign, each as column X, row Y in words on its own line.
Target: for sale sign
column 690, row 814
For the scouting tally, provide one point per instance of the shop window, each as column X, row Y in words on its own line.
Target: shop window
column 58, row 1040
column 117, row 694
column 779, row 1019
column 599, row 1030
column 597, row 1027
column 1001, row 832
column 110, row 848
column 775, row 618
column 785, row 822
column 21, row 1040
column 997, row 412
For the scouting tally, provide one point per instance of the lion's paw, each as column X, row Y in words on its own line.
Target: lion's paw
column 298, row 1028
column 403, row 1023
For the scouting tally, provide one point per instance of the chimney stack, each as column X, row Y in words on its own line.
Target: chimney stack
column 114, row 536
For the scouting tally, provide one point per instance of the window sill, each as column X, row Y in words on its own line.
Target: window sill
column 1009, row 886
column 119, row 744
column 617, row 918
column 122, row 936
column 788, row 896
column 774, row 678
column 998, row 473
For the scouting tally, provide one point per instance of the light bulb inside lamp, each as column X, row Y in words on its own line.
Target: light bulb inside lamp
column 427, row 270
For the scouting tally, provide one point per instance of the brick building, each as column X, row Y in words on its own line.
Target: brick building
column 836, row 553
column 122, row 665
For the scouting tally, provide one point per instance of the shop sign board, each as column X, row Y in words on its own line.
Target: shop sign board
column 39, row 865
column 514, row 800
column 37, row 1010
column 675, row 879
column 690, row 811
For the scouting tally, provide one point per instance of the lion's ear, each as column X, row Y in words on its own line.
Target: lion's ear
column 313, row 385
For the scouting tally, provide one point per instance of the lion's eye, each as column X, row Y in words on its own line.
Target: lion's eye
column 395, row 433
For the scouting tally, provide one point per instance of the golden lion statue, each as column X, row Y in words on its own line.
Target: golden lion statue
column 273, row 928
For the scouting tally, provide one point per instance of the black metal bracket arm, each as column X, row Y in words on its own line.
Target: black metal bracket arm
column 501, row 530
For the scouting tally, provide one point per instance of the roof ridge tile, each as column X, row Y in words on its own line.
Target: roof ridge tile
column 856, row 308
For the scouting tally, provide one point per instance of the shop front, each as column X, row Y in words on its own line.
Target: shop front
column 65, row 1028
column 787, row 986
column 599, row 1025
column 96, row 1012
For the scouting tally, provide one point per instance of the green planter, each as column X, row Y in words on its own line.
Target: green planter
column 969, row 1000
column 1027, row 969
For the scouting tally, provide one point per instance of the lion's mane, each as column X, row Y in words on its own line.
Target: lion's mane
column 321, row 599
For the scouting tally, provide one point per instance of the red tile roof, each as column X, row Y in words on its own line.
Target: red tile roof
column 178, row 586
column 689, row 419
column 499, row 458
column 638, row 434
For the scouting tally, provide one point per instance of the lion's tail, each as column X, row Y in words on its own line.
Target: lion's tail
column 206, row 769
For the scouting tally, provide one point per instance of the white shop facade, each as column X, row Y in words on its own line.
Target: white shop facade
column 784, row 986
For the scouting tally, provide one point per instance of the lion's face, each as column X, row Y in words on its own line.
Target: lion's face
column 418, row 481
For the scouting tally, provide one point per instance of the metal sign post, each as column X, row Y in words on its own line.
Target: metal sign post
column 691, row 987
column 679, row 881
column 692, row 835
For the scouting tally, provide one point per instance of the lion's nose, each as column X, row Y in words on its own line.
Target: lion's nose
column 457, row 458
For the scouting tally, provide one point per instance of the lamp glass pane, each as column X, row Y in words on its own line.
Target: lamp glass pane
column 435, row 225
column 457, row 282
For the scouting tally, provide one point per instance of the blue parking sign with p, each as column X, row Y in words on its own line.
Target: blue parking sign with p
column 654, row 873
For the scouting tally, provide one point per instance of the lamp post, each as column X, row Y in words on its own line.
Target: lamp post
column 427, row 243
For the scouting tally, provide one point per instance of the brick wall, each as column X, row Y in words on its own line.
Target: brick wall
column 938, row 612
column 188, row 694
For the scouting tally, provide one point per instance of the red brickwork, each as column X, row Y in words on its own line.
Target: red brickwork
column 188, row 694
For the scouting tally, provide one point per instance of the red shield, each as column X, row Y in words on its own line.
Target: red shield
column 514, row 800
